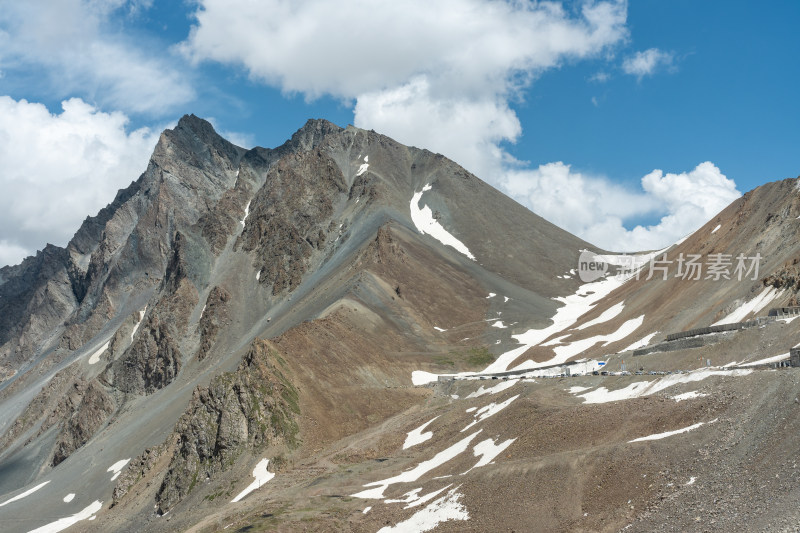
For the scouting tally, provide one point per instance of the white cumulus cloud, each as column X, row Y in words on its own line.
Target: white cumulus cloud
column 600, row 211
column 59, row 168
column 71, row 46
column 646, row 63
column 346, row 49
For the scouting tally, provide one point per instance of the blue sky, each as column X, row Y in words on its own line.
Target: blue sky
column 629, row 124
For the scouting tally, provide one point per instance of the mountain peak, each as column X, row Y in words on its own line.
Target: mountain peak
column 312, row 133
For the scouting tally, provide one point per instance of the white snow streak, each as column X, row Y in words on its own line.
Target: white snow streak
column 261, row 475
column 640, row 343
column 646, row 388
column 576, row 389
column 417, row 472
column 95, row 357
column 426, row 224
column 117, row 467
column 489, row 410
column 69, row 497
column 605, row 316
column 715, row 229
column 64, row 523
column 420, row 377
column 688, row 396
column 773, row 359
column 488, row 451
column 446, row 508
column 564, row 353
column 500, row 387
column 575, row 306
column 246, row 213
column 416, row 436
column 24, row 494
column 664, row 435
column 139, row 323
column 753, row 306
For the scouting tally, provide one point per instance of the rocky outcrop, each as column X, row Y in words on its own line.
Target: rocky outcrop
column 290, row 216
column 786, row 277
column 139, row 468
column 151, row 362
column 248, row 409
column 92, row 412
column 215, row 316
column 36, row 297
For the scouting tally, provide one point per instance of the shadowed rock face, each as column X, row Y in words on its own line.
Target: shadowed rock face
column 94, row 409
column 248, row 409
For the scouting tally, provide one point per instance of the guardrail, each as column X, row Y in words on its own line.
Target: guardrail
column 722, row 327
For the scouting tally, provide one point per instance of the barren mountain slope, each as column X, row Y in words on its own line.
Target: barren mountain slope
column 347, row 308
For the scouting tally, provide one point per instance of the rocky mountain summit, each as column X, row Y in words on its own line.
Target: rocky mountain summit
column 299, row 338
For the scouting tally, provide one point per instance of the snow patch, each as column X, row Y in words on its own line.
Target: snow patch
column 610, row 313
column 499, row 324
column 117, row 467
column 488, row 451
column 24, row 494
column 644, row 341
column 576, row 389
column 439, row 329
column 500, row 387
column 417, row 472
column 448, row 507
column 753, row 306
column 416, row 436
column 139, row 323
column 646, row 388
column 246, row 213
column 691, row 481
column 768, row 360
column 564, row 353
column 491, row 295
column 575, row 306
column 367, row 509
column 261, row 475
column 715, row 229
column 64, row 523
column 688, row 396
column 664, row 435
column 420, row 377
column 489, row 410
column 426, row 224
column 95, row 357
column 69, row 497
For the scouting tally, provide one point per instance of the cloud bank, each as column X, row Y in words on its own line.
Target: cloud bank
column 72, row 47
column 58, row 168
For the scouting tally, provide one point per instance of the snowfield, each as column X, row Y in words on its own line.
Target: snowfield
column 416, row 436
column 261, row 475
column 427, row 225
